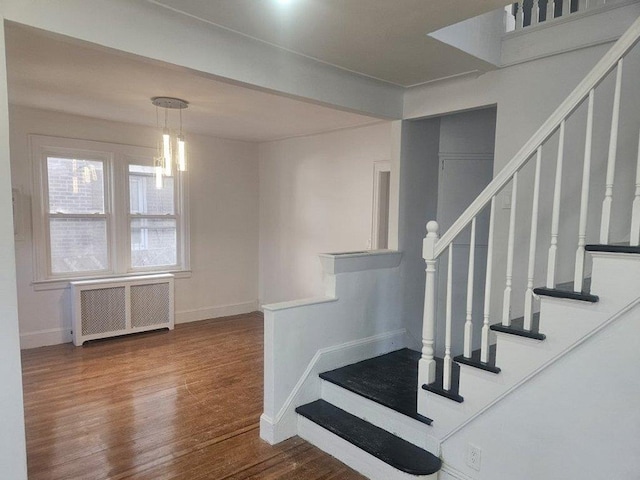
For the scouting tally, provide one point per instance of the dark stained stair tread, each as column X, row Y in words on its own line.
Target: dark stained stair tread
column 569, row 294
column 612, row 248
column 474, row 360
column 517, row 328
column 437, row 386
column 390, row 380
column 392, row 450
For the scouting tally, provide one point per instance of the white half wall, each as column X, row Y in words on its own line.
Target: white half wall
column 223, row 198
column 316, row 196
column 13, row 459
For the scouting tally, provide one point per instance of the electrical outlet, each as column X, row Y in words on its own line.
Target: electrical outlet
column 474, row 455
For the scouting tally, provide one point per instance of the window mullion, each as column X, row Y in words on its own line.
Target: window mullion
column 120, row 205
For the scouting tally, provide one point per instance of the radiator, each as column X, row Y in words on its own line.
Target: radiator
column 110, row 307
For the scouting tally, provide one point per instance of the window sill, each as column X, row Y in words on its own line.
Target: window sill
column 61, row 284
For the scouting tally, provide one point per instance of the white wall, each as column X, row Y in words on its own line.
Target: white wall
column 223, row 183
column 316, row 196
column 13, row 461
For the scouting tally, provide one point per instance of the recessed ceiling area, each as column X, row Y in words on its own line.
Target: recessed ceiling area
column 53, row 72
column 383, row 39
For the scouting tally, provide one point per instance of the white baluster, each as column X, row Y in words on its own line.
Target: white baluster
column 446, row 378
column 611, row 162
column 468, row 324
column 506, row 303
column 634, row 238
column 555, row 216
column 583, row 5
column 484, row 352
column 535, row 13
column 584, row 199
column 566, row 7
column 520, row 15
column 550, row 10
column 528, row 299
column 427, row 363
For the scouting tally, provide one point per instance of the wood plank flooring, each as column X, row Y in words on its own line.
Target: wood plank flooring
column 165, row 405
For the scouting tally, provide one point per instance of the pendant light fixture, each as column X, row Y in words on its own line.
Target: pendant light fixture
column 171, row 149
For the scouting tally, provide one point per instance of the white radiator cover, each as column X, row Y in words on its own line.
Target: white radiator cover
column 118, row 306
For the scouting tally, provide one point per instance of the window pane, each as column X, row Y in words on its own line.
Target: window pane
column 144, row 197
column 75, row 186
column 78, row 245
column 153, row 242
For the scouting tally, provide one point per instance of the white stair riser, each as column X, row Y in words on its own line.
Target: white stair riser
column 564, row 321
column 349, row 454
column 481, row 387
column 393, row 422
column 615, row 278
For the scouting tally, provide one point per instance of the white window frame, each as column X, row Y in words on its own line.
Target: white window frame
column 116, row 158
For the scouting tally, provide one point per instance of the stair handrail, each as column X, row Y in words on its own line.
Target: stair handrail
column 434, row 246
column 606, row 64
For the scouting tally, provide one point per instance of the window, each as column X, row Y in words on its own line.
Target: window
column 97, row 211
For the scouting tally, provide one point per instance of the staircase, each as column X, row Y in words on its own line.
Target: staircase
column 392, row 416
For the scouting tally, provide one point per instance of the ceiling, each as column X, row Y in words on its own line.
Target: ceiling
column 55, row 73
column 383, row 39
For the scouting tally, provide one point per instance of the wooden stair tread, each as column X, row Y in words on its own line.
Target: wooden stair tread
column 437, row 386
column 388, row 448
column 474, row 360
column 517, row 328
column 566, row 290
column 618, row 248
column 390, row 380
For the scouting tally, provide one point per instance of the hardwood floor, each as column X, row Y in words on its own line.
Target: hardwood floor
column 182, row 405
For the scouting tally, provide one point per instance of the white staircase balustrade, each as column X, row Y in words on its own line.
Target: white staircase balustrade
column 555, row 219
column 611, row 161
column 584, row 198
column 434, row 246
column 506, row 303
column 484, row 353
column 634, row 237
column 528, row 300
column 468, row 325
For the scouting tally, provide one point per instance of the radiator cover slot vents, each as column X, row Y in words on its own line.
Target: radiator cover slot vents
column 109, row 307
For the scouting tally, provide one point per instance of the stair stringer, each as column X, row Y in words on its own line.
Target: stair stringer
column 515, row 435
column 565, row 322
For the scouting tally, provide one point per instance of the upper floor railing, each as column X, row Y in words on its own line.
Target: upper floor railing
column 529, row 13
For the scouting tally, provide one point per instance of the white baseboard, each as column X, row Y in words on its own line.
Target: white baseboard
column 56, row 336
column 207, row 313
column 42, row 338
column 308, row 387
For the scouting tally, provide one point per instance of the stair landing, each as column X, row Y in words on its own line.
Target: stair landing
column 390, row 380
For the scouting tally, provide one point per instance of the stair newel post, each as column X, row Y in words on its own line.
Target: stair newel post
column 528, row 300
column 446, row 378
column 584, row 199
column 535, row 12
column 634, row 238
column 520, row 14
column 427, row 364
column 468, row 324
column 506, row 303
column 555, row 216
column 484, row 352
column 611, row 162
